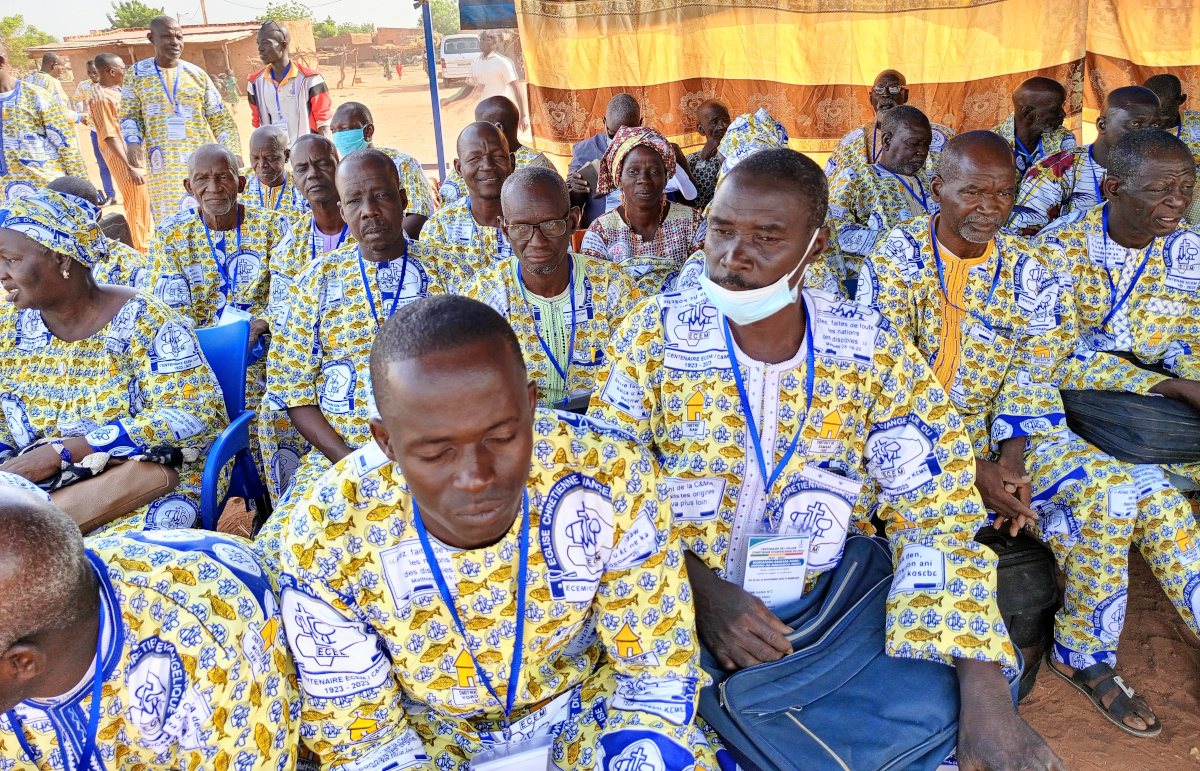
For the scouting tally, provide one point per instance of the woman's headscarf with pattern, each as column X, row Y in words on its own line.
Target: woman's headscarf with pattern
column 623, row 144
column 60, row 222
column 747, row 135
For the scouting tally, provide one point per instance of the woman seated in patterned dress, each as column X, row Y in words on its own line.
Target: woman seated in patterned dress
column 89, row 368
column 647, row 235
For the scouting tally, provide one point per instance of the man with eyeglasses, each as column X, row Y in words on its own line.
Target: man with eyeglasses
column 861, row 147
column 564, row 307
column 1070, row 181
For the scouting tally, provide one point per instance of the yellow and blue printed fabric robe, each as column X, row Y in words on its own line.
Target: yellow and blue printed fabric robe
column 320, row 356
column 1051, row 142
column 54, row 87
column 1159, row 322
column 604, row 295
column 414, row 182
column 185, row 272
column 37, row 142
column 305, row 246
column 195, row 666
column 860, row 148
column 471, row 247
column 879, row 438
column 455, row 186
column 138, row 383
column 1055, row 187
column 286, row 199
column 1092, row 507
column 610, row 663
column 146, row 107
column 124, row 266
column 864, row 205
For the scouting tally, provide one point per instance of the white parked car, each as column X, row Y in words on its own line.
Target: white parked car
column 458, row 51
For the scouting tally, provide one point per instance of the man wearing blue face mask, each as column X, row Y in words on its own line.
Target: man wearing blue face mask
column 353, row 129
column 783, row 422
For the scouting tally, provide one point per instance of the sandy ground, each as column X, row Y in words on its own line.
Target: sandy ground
column 1159, row 656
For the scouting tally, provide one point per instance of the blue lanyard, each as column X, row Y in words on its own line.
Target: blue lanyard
column 282, row 189
column 341, row 239
column 920, row 198
column 1024, row 152
column 522, row 571
column 15, row 94
column 230, row 286
column 571, row 344
column 271, row 74
column 89, row 749
column 171, row 97
column 362, row 269
column 1112, row 287
column 752, row 426
column 874, row 136
column 937, row 258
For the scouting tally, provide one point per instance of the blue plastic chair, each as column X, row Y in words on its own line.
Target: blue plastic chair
column 226, row 349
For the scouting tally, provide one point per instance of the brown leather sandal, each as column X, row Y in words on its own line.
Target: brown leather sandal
column 1122, row 704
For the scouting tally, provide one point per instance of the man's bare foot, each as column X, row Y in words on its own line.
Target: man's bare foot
column 1105, row 688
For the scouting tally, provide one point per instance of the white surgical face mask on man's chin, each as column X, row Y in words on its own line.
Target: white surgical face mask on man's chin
column 747, row 306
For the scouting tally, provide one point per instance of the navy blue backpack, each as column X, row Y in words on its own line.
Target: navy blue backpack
column 838, row 702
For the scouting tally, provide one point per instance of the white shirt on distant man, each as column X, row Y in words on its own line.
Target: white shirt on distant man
column 494, row 73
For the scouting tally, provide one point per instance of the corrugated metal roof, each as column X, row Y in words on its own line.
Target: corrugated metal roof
column 198, row 33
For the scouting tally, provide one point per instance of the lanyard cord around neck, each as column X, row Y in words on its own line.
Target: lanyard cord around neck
column 937, row 258
column 769, row 479
column 562, row 371
column 522, row 571
column 316, row 236
column 362, row 269
column 921, row 199
column 1112, row 286
column 229, row 284
column 172, row 98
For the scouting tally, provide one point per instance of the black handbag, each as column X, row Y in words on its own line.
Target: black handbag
column 1134, row 428
column 1027, row 593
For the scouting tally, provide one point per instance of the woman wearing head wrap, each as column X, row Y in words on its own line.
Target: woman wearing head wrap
column 646, row 235
column 90, row 369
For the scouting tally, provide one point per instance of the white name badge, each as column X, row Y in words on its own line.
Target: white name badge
column 775, row 567
column 176, row 128
column 532, row 755
column 231, row 314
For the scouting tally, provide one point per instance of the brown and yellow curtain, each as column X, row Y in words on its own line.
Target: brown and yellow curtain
column 811, row 62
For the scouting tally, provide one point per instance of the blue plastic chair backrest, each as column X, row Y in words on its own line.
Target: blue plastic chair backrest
column 227, row 350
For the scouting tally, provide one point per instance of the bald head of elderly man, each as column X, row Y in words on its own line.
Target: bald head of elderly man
column 1034, row 129
column 94, row 667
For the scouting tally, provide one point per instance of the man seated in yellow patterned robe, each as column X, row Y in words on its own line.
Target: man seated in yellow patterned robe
column 866, row 203
column 860, row 147
column 154, row 650
column 564, row 307
column 994, row 318
column 519, row 582
column 1184, row 124
column 1035, row 129
column 1127, row 272
column 468, row 230
column 317, row 368
column 759, row 402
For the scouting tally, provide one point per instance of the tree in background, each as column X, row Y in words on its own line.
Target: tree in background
column 132, row 13
column 445, row 16
column 329, row 28
column 17, row 36
column 293, row 9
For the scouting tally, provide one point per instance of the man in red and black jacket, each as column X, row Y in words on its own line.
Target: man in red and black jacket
column 285, row 92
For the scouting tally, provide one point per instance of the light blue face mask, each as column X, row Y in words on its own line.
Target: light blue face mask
column 747, row 306
column 348, row 141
